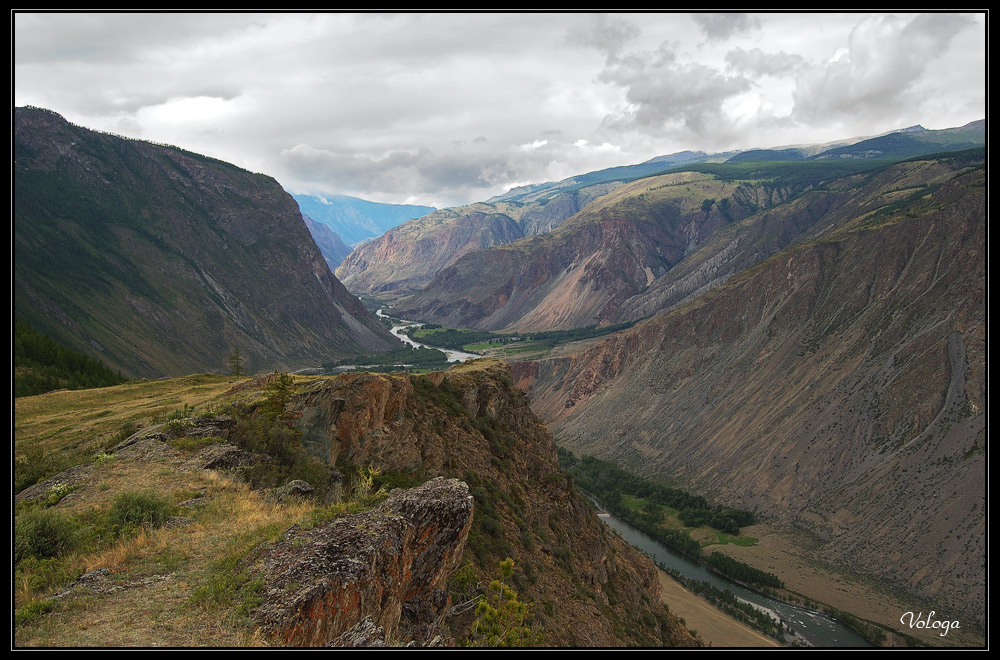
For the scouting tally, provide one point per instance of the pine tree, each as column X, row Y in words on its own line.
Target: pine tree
column 502, row 620
column 236, row 364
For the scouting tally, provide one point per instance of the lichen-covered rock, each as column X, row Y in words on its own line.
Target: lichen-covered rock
column 294, row 487
column 365, row 634
column 471, row 423
column 65, row 479
column 220, row 457
column 391, row 564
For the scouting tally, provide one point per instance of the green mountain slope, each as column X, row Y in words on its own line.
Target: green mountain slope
column 42, row 365
column 162, row 262
column 911, row 143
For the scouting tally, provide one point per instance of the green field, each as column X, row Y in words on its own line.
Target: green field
column 669, row 519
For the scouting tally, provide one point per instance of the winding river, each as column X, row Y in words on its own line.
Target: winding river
column 814, row 627
column 399, row 332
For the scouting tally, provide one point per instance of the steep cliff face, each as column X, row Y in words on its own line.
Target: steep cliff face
column 160, row 261
column 389, row 565
column 741, row 245
column 588, row 268
column 588, row 587
column 329, row 243
column 839, row 385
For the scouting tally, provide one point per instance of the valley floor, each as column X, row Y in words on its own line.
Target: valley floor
column 714, row 626
column 789, row 554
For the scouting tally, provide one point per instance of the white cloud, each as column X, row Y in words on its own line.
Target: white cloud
column 722, row 26
column 531, row 146
column 453, row 107
column 879, row 73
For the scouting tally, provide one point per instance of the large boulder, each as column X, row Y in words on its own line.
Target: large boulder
column 390, row 564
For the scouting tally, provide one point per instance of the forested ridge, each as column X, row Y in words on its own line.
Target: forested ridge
column 41, row 365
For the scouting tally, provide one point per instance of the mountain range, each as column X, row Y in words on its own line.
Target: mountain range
column 356, row 220
column 813, row 349
column 406, row 260
column 807, row 341
column 837, row 386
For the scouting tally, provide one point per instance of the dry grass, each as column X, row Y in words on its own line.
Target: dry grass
column 146, row 600
column 84, row 418
column 158, row 570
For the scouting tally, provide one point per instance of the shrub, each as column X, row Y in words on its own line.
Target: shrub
column 57, row 493
column 42, row 533
column 502, row 619
column 131, row 510
column 32, row 611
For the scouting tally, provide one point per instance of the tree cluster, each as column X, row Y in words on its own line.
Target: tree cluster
column 41, row 365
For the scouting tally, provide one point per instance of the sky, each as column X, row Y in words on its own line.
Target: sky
column 445, row 109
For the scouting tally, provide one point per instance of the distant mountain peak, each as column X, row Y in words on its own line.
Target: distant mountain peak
column 355, row 219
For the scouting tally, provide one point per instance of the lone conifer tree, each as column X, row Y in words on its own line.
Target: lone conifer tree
column 236, row 364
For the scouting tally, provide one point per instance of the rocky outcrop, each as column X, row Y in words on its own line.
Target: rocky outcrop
column 588, row 587
column 389, row 565
column 65, row 480
column 838, row 386
column 161, row 262
column 221, row 457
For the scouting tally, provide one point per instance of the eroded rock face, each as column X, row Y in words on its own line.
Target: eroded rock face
column 471, row 423
column 839, row 386
column 390, row 564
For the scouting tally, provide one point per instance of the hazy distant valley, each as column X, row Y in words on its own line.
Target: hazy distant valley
column 796, row 336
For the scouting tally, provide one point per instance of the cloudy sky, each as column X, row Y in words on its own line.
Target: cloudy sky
column 445, row 109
